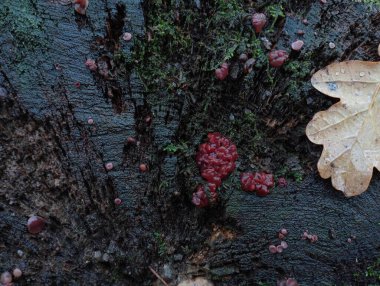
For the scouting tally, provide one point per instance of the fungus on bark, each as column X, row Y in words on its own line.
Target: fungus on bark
column 277, row 58
column 258, row 21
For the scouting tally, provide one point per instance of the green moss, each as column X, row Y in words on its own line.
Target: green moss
column 161, row 244
column 21, row 19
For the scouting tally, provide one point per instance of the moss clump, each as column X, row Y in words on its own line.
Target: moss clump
column 20, row 18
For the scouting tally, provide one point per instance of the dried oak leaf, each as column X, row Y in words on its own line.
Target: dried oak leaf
column 349, row 130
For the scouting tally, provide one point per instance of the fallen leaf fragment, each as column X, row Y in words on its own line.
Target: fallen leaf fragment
column 199, row 281
column 349, row 130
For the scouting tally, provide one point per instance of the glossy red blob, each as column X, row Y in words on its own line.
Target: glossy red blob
column 282, row 182
column 258, row 21
column 131, row 140
column 216, row 159
column 297, row 45
column 284, row 244
column 257, row 182
column 200, row 198
column 80, row 6
column 35, row 224
column 117, row 201
column 272, row 249
column 143, row 167
column 277, row 58
column 109, row 166
column 222, row 72
column 91, row 65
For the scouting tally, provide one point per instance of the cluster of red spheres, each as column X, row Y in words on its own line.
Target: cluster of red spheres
column 257, row 182
column 216, row 160
column 277, row 58
column 200, row 198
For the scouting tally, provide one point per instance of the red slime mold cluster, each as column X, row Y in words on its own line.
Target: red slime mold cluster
column 257, row 182
column 200, row 197
column 216, row 160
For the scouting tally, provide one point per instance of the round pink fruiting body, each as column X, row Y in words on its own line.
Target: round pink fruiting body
column 284, row 244
column 281, row 236
column 222, row 72
column 109, row 166
column 90, row 121
column 279, row 248
column 80, row 6
column 277, row 58
column 127, row 37
column 17, row 273
column 282, row 183
column 77, row 84
column 297, row 45
column 284, row 231
column 6, row 278
column 148, row 119
column 272, row 249
column 117, row 201
column 131, row 140
column 291, row 282
column 258, row 21
column 35, row 224
column 143, row 167
column 91, row 64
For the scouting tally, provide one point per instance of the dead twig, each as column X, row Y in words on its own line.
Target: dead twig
column 158, row 276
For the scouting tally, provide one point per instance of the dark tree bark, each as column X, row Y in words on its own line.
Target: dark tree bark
column 53, row 162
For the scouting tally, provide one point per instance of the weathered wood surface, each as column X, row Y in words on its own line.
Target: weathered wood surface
column 46, row 141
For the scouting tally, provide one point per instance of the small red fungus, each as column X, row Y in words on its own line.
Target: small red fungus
column 6, row 278
column 291, row 282
column 127, row 37
column 117, row 201
column 143, row 167
column 284, row 231
column 17, row 273
column 279, row 249
column 297, row 45
column 35, row 224
column 311, row 237
column 277, row 58
column 200, row 198
column 258, row 21
column 90, row 121
column 109, row 166
column 284, row 244
column 216, row 160
column 77, row 84
column 282, row 182
column 80, row 6
column 91, row 64
column 258, row 182
column 148, row 119
column 131, row 140
column 272, row 249
column 222, row 72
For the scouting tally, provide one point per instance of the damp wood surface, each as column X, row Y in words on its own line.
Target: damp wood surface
column 53, row 160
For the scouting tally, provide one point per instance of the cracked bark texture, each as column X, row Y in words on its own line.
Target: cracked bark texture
column 53, row 164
